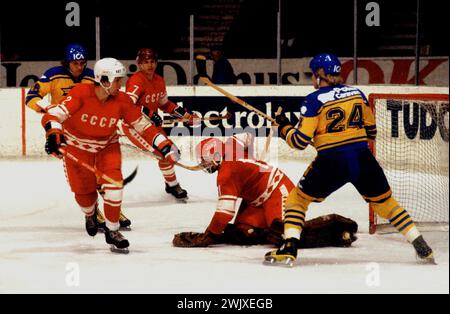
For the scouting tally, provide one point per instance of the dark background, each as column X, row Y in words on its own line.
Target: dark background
column 36, row 30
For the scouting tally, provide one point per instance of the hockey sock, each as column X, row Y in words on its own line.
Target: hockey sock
column 87, row 202
column 168, row 171
column 112, row 204
column 403, row 222
column 398, row 217
column 295, row 213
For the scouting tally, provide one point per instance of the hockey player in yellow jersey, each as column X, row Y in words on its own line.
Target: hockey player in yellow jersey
column 57, row 82
column 338, row 122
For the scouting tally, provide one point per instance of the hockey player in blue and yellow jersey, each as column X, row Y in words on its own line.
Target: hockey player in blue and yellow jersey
column 59, row 80
column 338, row 122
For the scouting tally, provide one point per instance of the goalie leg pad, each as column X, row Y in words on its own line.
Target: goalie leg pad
column 328, row 230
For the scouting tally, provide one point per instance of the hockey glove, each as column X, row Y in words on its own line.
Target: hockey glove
column 179, row 112
column 284, row 125
column 196, row 239
column 36, row 107
column 55, row 139
column 156, row 119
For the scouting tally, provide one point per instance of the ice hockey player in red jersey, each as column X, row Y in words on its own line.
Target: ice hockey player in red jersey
column 263, row 190
column 57, row 82
column 147, row 89
column 85, row 124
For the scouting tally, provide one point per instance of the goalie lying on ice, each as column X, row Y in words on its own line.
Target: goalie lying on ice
column 263, row 190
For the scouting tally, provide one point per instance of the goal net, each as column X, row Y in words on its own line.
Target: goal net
column 413, row 149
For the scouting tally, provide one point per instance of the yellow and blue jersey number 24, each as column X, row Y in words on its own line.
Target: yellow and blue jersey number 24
column 339, row 121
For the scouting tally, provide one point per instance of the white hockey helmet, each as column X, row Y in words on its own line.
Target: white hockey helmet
column 109, row 67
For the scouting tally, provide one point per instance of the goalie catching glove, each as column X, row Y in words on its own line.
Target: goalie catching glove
column 54, row 138
column 196, row 239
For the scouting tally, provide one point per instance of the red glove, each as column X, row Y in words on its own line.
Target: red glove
column 54, row 138
column 53, row 142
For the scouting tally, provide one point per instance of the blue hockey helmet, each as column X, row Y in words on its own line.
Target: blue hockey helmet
column 74, row 52
column 326, row 61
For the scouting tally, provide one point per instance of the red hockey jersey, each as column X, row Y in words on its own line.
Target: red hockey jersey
column 242, row 177
column 90, row 124
column 151, row 94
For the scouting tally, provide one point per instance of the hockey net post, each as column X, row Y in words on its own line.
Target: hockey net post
column 412, row 147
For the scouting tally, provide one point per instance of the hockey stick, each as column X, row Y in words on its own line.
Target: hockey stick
column 127, row 180
column 97, row 172
column 269, row 138
column 238, row 100
column 148, row 149
column 130, row 177
column 225, row 117
column 192, row 168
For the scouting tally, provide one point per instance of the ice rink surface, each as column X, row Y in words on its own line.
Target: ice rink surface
column 45, row 249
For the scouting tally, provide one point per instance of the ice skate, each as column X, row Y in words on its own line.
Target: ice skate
column 124, row 222
column 285, row 255
column 100, row 220
column 117, row 241
column 91, row 224
column 93, row 221
column 177, row 192
column 423, row 251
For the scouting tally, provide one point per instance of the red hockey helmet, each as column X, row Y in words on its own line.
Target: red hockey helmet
column 145, row 54
column 209, row 153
